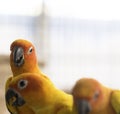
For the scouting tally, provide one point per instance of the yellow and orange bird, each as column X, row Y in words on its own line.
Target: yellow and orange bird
column 39, row 95
column 94, row 98
column 23, row 59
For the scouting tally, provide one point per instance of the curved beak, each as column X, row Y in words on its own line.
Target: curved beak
column 18, row 56
column 83, row 107
column 14, row 97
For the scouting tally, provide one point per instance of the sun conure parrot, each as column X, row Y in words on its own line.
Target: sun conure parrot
column 94, row 97
column 12, row 108
column 23, row 59
column 39, row 95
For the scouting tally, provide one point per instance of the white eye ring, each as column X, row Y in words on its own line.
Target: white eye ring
column 22, row 84
column 30, row 50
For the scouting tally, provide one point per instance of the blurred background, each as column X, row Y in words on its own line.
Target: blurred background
column 73, row 39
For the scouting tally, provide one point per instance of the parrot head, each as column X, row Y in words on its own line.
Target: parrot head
column 88, row 95
column 30, row 89
column 23, row 57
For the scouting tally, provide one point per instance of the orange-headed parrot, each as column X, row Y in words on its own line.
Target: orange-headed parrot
column 39, row 95
column 93, row 97
column 23, row 59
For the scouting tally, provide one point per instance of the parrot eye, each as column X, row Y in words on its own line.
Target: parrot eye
column 96, row 95
column 22, row 84
column 30, row 50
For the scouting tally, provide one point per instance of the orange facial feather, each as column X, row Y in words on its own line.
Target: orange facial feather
column 97, row 95
column 29, row 55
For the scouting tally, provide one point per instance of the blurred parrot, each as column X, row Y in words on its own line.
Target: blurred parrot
column 39, row 95
column 23, row 59
column 91, row 97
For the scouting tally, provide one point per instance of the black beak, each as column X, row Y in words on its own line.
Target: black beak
column 83, row 107
column 10, row 94
column 18, row 56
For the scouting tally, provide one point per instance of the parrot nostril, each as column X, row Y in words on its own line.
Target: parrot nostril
column 14, row 98
column 19, row 59
column 18, row 56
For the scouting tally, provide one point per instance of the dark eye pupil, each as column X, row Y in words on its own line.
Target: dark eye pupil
column 22, row 83
column 96, row 95
column 30, row 50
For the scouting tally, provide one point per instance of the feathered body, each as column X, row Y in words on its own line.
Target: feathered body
column 39, row 95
